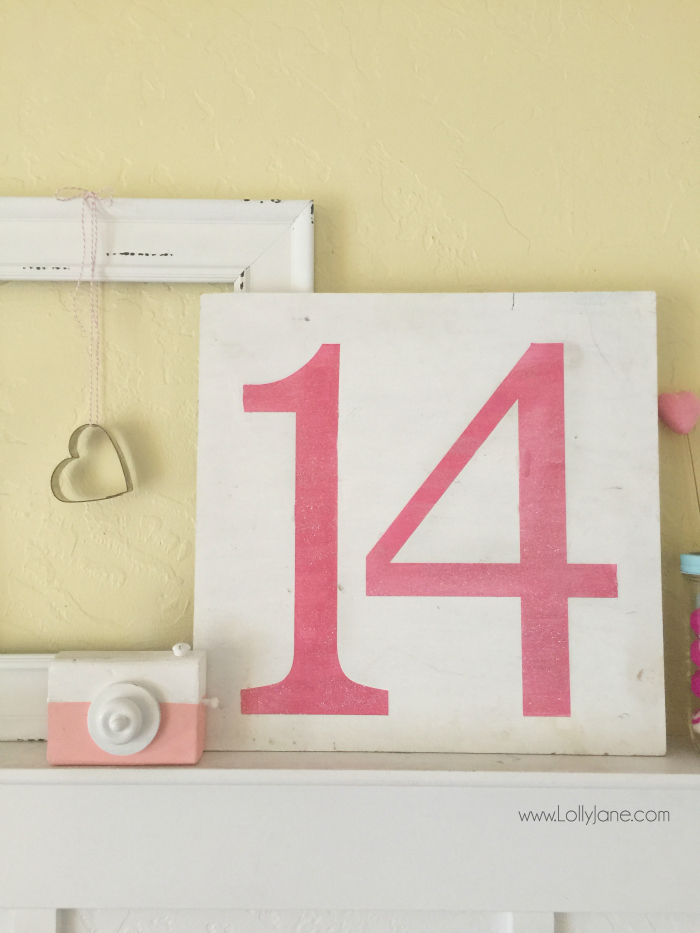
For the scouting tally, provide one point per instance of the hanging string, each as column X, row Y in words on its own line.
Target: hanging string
column 90, row 201
column 695, row 476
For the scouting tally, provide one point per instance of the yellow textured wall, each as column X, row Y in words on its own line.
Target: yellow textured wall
column 450, row 145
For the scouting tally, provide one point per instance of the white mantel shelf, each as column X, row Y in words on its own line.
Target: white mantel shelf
column 25, row 763
column 274, row 830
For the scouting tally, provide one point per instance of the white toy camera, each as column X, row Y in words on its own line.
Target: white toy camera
column 127, row 707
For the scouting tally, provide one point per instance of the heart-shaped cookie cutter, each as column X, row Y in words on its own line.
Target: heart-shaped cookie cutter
column 74, row 452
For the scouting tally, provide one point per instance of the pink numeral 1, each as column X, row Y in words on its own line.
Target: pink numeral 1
column 316, row 682
column 544, row 580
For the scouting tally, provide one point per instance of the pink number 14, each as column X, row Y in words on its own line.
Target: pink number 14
column 544, row 580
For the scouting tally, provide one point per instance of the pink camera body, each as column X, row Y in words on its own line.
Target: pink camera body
column 127, row 707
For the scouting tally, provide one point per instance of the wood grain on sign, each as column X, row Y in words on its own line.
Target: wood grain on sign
column 430, row 523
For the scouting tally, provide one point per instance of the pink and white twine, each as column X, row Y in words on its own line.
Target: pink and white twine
column 90, row 202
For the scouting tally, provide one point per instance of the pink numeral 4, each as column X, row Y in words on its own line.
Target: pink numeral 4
column 543, row 579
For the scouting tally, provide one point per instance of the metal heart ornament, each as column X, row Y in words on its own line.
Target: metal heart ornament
column 95, row 469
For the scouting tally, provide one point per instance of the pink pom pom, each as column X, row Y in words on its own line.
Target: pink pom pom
column 679, row 411
column 695, row 653
column 695, row 621
column 695, row 683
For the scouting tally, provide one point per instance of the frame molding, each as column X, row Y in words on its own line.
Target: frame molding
column 260, row 245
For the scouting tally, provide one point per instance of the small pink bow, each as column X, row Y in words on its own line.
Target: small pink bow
column 71, row 193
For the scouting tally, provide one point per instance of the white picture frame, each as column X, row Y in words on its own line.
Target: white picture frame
column 262, row 246
column 257, row 245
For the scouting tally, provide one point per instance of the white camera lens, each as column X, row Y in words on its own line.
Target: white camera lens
column 123, row 719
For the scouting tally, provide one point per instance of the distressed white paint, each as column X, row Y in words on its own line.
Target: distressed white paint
column 162, row 240
column 415, row 369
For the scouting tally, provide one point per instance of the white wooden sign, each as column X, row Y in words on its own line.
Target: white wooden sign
column 430, row 523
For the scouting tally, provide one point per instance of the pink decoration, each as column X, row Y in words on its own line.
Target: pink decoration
column 180, row 738
column 316, row 684
column 695, row 683
column 679, row 411
column 695, row 621
column 695, row 653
